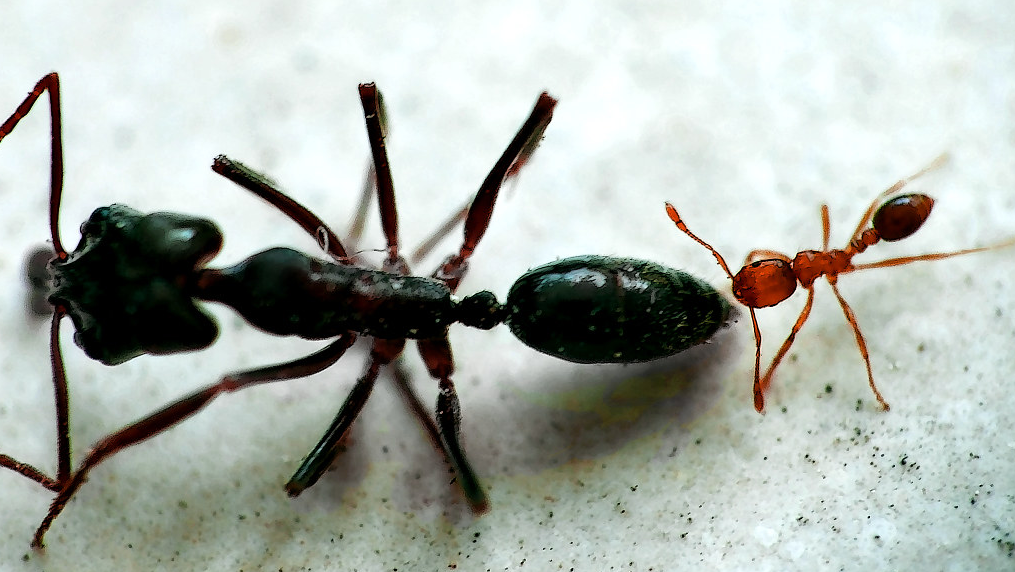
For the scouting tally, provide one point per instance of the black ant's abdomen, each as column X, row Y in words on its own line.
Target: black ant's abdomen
column 285, row 292
column 600, row 309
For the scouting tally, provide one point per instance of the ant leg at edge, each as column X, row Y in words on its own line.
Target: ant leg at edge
column 182, row 409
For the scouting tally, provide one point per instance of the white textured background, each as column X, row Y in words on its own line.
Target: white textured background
column 746, row 117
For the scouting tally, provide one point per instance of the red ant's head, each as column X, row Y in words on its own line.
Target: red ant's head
column 764, row 283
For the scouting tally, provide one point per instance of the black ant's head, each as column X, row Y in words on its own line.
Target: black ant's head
column 127, row 285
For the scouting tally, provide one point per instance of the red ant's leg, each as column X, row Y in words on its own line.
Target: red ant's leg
column 866, row 218
column 764, row 254
column 766, row 381
column 861, row 344
column 182, row 409
column 932, row 256
column 262, row 186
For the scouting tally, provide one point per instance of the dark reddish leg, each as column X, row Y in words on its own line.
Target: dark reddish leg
column 268, row 190
column 180, row 410
column 50, row 83
column 436, row 353
column 477, row 220
column 316, row 462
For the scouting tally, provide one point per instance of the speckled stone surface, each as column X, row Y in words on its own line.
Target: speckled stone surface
column 745, row 116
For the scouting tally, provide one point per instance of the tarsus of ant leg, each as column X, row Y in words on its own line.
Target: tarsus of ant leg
column 861, row 344
column 936, row 163
column 182, row 409
column 268, row 190
column 29, row 471
column 51, row 83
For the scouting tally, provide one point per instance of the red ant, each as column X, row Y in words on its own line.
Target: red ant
column 768, row 277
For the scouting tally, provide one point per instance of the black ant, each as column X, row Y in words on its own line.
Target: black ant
column 131, row 271
column 768, row 277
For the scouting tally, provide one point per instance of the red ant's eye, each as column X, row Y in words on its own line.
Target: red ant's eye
column 900, row 217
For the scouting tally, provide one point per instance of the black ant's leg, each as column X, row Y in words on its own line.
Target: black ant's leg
column 62, row 420
column 373, row 112
column 61, row 399
column 437, row 356
column 402, row 383
column 321, row 457
column 182, row 409
column 866, row 218
column 518, row 152
column 264, row 187
column 443, row 230
column 50, row 83
column 362, row 207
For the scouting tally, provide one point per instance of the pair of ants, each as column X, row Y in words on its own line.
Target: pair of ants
column 131, row 286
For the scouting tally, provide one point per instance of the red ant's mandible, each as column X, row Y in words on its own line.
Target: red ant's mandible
column 768, row 277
